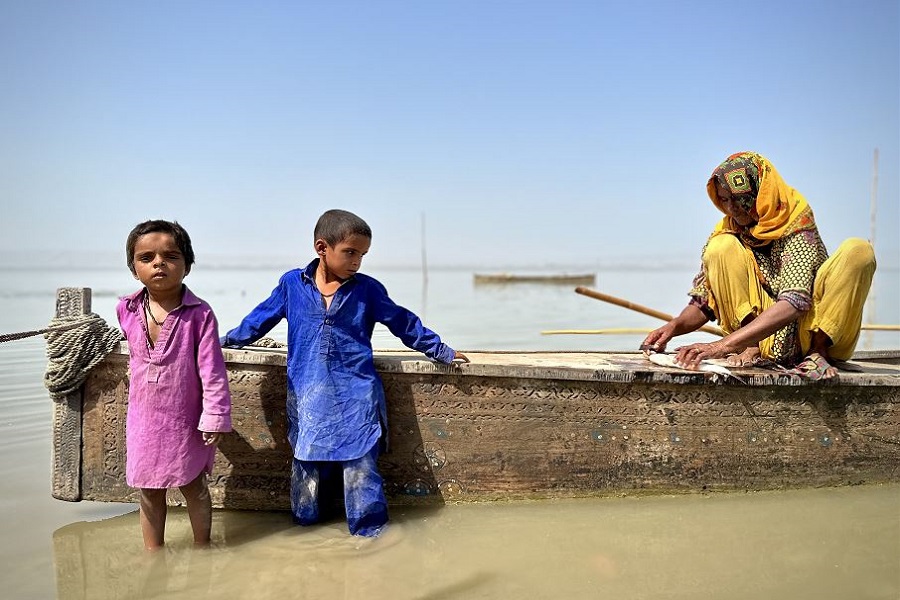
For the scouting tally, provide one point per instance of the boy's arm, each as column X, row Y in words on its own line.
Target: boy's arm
column 259, row 322
column 404, row 324
column 216, row 415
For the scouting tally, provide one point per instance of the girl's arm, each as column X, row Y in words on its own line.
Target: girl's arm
column 216, row 415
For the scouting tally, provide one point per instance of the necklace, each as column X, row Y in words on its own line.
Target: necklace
column 150, row 312
column 334, row 292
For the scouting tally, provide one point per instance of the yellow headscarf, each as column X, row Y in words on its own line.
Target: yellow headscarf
column 781, row 208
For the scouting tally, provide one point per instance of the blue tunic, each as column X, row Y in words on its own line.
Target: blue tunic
column 335, row 400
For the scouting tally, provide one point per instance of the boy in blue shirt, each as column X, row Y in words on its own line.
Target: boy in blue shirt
column 335, row 401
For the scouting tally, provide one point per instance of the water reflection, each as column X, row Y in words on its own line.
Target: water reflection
column 826, row 543
column 254, row 554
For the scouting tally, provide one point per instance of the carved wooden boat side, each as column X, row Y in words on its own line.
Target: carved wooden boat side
column 529, row 425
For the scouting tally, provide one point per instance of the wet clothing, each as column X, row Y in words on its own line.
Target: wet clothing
column 316, row 482
column 747, row 269
column 335, row 400
column 335, row 406
column 177, row 389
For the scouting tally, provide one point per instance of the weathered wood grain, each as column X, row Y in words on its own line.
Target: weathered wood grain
column 544, row 425
column 65, row 453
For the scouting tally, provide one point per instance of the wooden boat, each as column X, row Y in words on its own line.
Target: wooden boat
column 526, row 425
column 562, row 279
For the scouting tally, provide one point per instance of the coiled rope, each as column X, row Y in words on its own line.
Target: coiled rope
column 268, row 342
column 74, row 346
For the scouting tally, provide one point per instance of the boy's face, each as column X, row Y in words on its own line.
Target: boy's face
column 344, row 258
column 158, row 262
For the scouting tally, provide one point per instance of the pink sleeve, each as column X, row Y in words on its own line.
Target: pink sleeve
column 216, row 415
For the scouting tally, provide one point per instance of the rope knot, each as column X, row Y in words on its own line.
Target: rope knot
column 268, row 342
column 74, row 346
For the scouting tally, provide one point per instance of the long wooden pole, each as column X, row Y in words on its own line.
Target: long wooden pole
column 637, row 307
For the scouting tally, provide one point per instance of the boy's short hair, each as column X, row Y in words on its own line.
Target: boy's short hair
column 336, row 225
column 178, row 233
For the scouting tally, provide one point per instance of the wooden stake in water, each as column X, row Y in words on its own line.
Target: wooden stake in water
column 424, row 273
column 870, row 301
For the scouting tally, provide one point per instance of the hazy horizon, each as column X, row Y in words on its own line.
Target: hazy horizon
column 522, row 133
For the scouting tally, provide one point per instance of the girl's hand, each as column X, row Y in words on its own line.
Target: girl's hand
column 211, row 438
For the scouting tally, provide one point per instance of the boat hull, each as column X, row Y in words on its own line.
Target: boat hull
column 538, row 425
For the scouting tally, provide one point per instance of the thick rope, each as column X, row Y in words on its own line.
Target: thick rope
column 74, row 346
column 11, row 337
column 268, row 342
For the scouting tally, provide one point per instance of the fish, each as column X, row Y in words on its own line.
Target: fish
column 708, row 366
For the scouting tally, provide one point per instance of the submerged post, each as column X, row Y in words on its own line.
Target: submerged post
column 66, row 450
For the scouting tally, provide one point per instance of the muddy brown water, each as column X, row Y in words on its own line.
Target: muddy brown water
column 816, row 543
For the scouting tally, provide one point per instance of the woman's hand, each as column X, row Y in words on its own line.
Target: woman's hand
column 657, row 339
column 747, row 336
column 690, row 356
column 211, row 438
column 690, row 319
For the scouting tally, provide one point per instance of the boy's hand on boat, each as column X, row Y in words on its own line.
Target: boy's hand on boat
column 459, row 357
column 211, row 438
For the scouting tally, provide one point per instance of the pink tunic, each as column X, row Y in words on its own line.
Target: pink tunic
column 178, row 389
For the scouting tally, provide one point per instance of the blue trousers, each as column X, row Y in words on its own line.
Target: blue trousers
column 364, row 501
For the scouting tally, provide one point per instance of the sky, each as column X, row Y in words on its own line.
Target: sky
column 518, row 134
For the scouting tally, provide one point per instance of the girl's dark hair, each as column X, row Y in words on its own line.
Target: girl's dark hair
column 181, row 237
column 336, row 225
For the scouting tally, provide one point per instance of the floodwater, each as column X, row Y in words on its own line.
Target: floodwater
column 818, row 543
column 825, row 543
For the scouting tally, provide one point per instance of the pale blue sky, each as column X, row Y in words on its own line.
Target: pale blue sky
column 528, row 133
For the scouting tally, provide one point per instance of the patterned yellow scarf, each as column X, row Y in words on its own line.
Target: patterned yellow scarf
column 754, row 182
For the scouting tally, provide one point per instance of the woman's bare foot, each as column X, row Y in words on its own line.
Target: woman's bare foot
column 817, row 364
column 815, row 367
column 749, row 357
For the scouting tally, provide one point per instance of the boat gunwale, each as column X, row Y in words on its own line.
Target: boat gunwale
column 604, row 367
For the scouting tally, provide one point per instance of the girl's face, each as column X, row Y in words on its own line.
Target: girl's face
column 733, row 209
column 344, row 258
column 158, row 263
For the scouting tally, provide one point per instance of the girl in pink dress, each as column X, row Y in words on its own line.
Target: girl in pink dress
column 178, row 399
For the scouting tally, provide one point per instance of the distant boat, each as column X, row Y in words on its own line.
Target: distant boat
column 566, row 279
